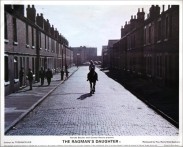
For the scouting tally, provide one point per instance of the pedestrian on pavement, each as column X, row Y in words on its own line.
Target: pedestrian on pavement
column 92, row 77
column 92, row 65
column 30, row 78
column 62, row 74
column 49, row 75
column 42, row 75
column 66, row 71
column 21, row 75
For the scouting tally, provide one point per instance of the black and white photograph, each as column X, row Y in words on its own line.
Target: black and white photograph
column 91, row 73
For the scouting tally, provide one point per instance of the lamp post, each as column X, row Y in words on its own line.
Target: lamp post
column 62, row 71
column 65, row 57
column 77, row 58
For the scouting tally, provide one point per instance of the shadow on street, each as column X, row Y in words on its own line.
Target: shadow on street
column 84, row 96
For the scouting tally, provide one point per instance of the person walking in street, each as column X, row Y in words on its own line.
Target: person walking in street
column 42, row 75
column 49, row 75
column 66, row 71
column 30, row 78
column 21, row 75
column 92, row 77
column 91, row 66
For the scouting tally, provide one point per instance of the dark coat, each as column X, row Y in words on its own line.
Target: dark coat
column 49, row 74
column 21, row 74
column 41, row 73
column 92, row 76
column 30, row 76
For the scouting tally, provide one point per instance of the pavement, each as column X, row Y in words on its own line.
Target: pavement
column 21, row 103
column 111, row 111
column 164, row 100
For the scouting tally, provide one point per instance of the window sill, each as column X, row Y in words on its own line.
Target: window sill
column 15, row 43
column 139, row 73
column 148, row 75
column 16, row 80
column 166, row 39
column 27, row 46
column 159, row 41
column 7, row 83
column 33, row 47
column 6, row 40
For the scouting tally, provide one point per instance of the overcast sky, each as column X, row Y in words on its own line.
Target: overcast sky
column 89, row 25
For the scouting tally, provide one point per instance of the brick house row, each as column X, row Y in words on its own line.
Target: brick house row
column 150, row 47
column 31, row 42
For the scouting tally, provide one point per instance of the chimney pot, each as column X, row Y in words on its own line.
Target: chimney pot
column 138, row 9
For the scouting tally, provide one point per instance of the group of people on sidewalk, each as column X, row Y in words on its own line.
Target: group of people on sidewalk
column 42, row 75
column 92, row 76
column 48, row 74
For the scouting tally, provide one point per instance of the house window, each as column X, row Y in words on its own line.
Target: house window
column 6, row 71
column 32, row 36
column 166, row 27
column 160, row 69
column 14, row 30
column 27, row 63
column 27, row 34
column 52, row 44
column 159, row 30
column 45, row 42
column 21, row 62
column 48, row 42
column 33, row 65
column 40, row 40
column 144, row 36
column 149, row 34
column 15, row 67
column 5, row 27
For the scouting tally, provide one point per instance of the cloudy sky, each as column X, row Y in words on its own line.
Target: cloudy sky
column 89, row 25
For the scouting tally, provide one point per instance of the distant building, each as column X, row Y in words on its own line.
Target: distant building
column 105, row 58
column 108, row 53
column 83, row 54
column 31, row 42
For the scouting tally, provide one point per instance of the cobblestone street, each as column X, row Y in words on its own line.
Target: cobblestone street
column 112, row 110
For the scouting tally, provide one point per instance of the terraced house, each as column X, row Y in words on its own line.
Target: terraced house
column 31, row 42
column 150, row 47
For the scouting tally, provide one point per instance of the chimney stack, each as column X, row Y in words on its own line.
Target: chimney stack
column 31, row 13
column 19, row 9
column 40, row 20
